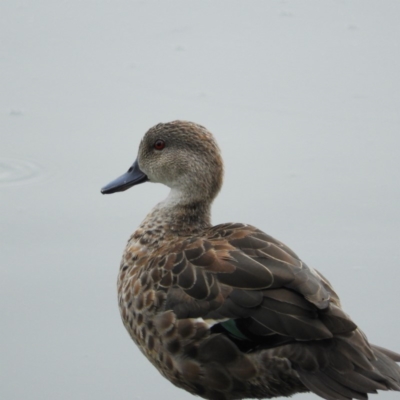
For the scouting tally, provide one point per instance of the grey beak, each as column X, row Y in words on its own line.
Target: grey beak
column 133, row 177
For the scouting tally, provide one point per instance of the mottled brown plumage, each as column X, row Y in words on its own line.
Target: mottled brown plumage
column 228, row 312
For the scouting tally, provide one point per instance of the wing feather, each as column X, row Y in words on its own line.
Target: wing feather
column 237, row 271
column 261, row 296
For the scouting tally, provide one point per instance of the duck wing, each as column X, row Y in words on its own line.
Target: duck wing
column 238, row 272
column 256, row 292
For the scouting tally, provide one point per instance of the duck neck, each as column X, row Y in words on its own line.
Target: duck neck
column 188, row 218
column 182, row 214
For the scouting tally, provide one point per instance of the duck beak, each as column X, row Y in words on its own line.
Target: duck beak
column 133, row 177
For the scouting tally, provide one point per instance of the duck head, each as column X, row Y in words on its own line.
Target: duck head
column 181, row 155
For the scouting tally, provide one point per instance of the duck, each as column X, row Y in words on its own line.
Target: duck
column 228, row 312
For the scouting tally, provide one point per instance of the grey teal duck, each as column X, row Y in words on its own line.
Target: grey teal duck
column 228, row 312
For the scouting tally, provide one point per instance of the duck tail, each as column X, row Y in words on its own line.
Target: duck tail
column 385, row 365
column 330, row 383
column 389, row 353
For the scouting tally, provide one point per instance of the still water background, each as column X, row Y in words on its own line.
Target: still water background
column 304, row 100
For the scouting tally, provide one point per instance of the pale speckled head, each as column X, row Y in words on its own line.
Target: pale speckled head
column 183, row 156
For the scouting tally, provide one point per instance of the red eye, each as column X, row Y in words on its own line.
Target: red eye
column 159, row 144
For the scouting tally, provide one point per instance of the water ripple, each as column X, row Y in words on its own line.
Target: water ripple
column 16, row 171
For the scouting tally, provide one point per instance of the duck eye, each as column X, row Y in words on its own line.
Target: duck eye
column 159, row 144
